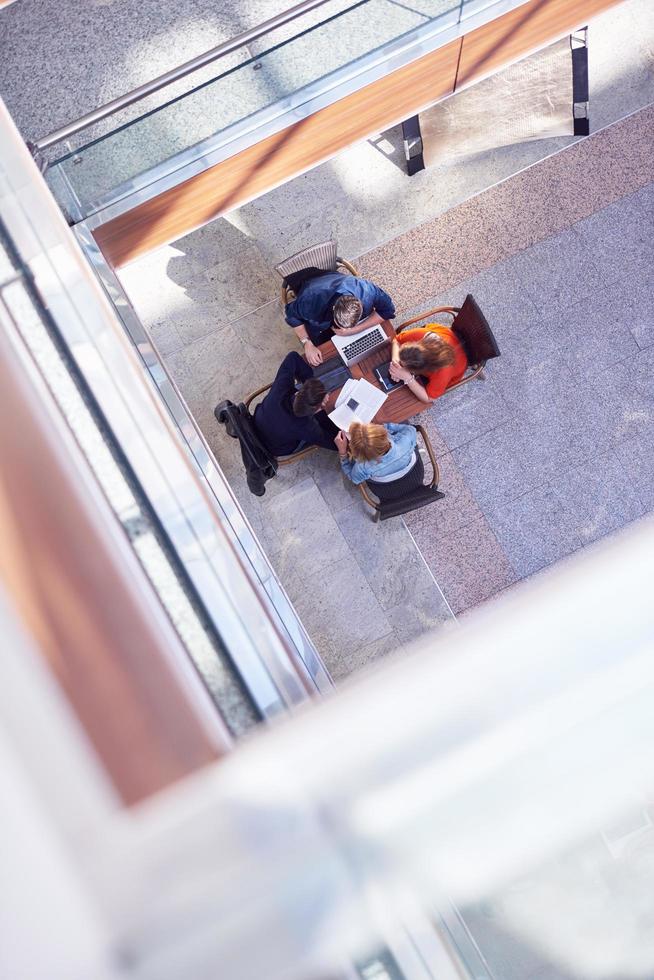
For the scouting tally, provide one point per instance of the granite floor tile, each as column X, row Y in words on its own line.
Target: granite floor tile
column 468, row 564
column 456, row 509
column 626, row 393
column 534, row 531
column 236, row 285
column 620, row 238
column 597, row 497
column 472, row 236
column 557, row 272
column 429, row 421
column 499, row 466
column 310, row 538
column 267, row 338
column 636, row 456
column 529, row 205
column 203, row 248
column 211, row 369
column 164, row 336
column 387, row 556
column 337, row 491
column 526, row 383
column 339, row 610
column 479, row 410
column 597, row 330
column 425, row 610
column 348, row 661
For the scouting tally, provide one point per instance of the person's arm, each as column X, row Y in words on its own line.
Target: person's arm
column 399, row 373
column 395, row 351
column 311, row 352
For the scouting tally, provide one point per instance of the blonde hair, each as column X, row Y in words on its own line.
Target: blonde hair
column 427, row 355
column 367, row 442
column 347, row 311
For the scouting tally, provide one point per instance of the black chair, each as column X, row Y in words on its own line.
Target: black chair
column 281, row 460
column 260, row 464
column 409, row 492
column 472, row 328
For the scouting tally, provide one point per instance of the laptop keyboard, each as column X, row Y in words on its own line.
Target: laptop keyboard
column 360, row 345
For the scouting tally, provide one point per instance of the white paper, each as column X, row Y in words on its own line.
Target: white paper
column 358, row 401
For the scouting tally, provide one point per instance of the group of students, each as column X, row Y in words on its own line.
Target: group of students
column 427, row 359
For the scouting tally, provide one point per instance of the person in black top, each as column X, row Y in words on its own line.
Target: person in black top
column 286, row 419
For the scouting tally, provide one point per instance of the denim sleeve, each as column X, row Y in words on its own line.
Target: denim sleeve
column 290, row 314
column 354, row 471
column 383, row 304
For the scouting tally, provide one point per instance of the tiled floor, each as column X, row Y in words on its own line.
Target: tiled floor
column 547, row 454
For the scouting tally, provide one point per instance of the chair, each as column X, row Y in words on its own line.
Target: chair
column 409, row 492
column 281, row 460
column 471, row 327
column 321, row 256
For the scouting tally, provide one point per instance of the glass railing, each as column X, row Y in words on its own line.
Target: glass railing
column 255, row 89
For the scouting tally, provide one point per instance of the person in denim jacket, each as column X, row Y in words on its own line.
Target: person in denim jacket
column 381, row 453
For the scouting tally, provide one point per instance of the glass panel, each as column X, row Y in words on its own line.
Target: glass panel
column 292, row 68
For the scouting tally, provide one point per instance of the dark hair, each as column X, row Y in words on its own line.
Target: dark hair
column 308, row 399
column 427, row 355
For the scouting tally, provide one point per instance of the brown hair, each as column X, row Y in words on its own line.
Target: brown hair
column 347, row 311
column 427, row 355
column 309, row 397
column 367, row 442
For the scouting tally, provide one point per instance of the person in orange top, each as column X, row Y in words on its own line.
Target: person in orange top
column 433, row 351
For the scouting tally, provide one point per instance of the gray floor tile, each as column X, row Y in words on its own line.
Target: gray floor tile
column 387, row 556
column 479, row 410
column 456, row 509
column 423, row 612
column 310, row 538
column 337, row 491
column 339, row 611
column 636, row 456
column 597, row 329
column 626, row 392
column 236, row 285
column 468, row 564
column 211, row 369
column 201, row 249
column 535, row 530
column 619, row 237
column 500, row 465
column 598, row 497
column 557, row 272
column 352, row 661
column 267, row 338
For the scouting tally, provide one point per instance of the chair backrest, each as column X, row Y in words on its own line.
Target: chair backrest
column 409, row 492
column 321, row 256
column 471, row 327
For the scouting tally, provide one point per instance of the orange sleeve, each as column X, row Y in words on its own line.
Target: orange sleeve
column 411, row 336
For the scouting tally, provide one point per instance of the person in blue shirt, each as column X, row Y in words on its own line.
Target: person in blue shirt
column 382, row 453
column 288, row 419
column 335, row 303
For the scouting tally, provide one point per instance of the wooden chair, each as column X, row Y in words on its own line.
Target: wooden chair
column 472, row 328
column 409, row 492
column 321, row 256
column 281, row 460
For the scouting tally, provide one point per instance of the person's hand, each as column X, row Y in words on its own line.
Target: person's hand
column 312, row 354
column 341, row 443
column 341, row 331
column 399, row 373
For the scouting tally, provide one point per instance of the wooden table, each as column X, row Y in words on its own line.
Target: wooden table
column 400, row 404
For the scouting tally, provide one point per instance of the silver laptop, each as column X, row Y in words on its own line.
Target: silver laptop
column 353, row 349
